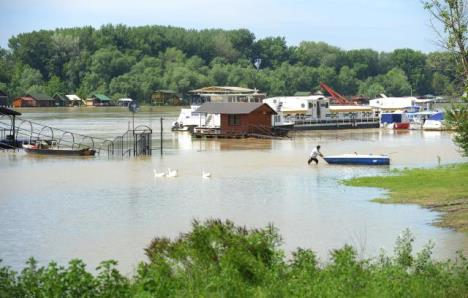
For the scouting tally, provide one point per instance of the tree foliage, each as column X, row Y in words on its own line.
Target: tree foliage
column 134, row 61
column 453, row 16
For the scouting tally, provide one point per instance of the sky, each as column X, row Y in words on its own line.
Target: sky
column 382, row 25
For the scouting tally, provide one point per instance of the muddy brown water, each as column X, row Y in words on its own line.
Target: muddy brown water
column 102, row 208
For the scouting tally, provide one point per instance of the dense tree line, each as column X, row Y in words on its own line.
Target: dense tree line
column 134, row 61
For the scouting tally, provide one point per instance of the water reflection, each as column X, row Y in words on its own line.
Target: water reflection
column 99, row 208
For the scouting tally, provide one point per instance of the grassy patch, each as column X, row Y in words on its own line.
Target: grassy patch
column 443, row 189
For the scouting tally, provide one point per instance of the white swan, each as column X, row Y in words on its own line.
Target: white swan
column 158, row 175
column 206, row 175
column 171, row 173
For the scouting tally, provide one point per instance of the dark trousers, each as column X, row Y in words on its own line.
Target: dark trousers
column 312, row 159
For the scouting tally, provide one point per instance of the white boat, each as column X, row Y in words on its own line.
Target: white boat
column 435, row 122
column 358, row 159
column 188, row 119
column 316, row 112
column 418, row 119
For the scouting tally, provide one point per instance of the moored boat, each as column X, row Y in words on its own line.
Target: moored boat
column 358, row 159
column 395, row 120
column 435, row 122
column 34, row 149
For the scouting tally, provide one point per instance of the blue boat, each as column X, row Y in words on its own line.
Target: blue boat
column 358, row 159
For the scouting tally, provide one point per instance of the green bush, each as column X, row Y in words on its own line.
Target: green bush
column 219, row 259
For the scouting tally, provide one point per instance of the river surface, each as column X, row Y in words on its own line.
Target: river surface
column 57, row 208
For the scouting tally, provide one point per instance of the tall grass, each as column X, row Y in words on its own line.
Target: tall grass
column 219, row 259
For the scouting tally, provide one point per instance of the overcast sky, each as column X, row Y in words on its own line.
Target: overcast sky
column 383, row 25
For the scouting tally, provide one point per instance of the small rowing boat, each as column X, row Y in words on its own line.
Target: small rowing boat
column 358, row 159
column 34, row 149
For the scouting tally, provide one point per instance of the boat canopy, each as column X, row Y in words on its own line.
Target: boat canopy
column 437, row 116
column 390, row 118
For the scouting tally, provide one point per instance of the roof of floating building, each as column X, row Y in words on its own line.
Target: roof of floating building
column 231, row 107
column 73, row 97
column 223, row 90
column 100, row 96
column 40, row 96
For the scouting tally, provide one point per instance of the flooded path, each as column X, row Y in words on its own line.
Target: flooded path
column 108, row 208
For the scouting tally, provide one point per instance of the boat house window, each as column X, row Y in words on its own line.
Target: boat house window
column 233, row 120
column 310, row 105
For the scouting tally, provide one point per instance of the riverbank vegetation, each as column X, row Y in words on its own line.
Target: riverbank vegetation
column 218, row 259
column 123, row 61
column 443, row 189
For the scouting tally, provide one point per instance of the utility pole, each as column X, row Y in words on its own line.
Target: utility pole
column 161, row 149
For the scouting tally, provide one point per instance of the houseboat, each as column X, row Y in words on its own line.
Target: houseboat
column 406, row 104
column 316, row 112
column 190, row 118
column 235, row 120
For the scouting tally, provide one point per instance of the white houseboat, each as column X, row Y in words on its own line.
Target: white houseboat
column 316, row 112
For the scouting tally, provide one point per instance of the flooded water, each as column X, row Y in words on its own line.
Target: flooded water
column 101, row 208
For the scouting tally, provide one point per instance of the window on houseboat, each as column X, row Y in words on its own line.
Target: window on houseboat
column 234, row 120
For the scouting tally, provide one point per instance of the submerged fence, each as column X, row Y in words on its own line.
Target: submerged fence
column 17, row 131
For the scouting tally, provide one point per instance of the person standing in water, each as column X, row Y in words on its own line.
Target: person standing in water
column 313, row 155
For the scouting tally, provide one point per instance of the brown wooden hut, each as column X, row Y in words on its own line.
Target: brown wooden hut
column 61, row 100
column 34, row 100
column 238, row 118
column 166, row 97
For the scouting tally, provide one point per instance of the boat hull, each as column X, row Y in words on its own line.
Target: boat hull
column 401, row 125
column 358, row 160
column 60, row 152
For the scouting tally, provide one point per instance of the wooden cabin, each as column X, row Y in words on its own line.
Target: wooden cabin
column 34, row 100
column 165, row 98
column 236, row 118
column 60, row 100
column 98, row 100
column 74, row 100
column 3, row 99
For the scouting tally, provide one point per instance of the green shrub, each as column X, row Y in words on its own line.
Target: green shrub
column 219, row 259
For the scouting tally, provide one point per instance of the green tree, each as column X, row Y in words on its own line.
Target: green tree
column 395, row 83
column 30, row 80
column 272, row 50
column 347, row 82
column 371, row 89
column 413, row 63
column 453, row 15
column 55, row 85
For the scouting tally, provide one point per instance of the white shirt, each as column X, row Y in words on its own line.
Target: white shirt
column 315, row 153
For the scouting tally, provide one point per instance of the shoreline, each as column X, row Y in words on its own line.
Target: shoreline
column 443, row 189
